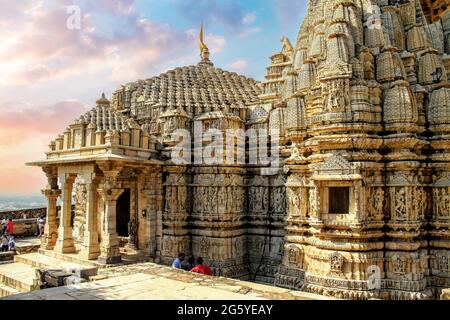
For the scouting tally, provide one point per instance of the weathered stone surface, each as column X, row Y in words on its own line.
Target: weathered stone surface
column 359, row 207
column 153, row 282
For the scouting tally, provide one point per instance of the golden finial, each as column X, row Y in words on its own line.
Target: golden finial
column 204, row 51
column 202, row 43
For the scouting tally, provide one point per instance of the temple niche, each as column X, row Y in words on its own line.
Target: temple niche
column 359, row 206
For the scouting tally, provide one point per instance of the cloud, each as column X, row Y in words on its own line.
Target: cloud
column 239, row 66
column 25, row 132
column 41, row 47
column 228, row 14
column 19, row 120
column 120, row 7
column 31, row 75
column 248, row 31
column 290, row 12
column 249, row 18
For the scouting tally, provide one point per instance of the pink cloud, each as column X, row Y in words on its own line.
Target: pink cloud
column 43, row 59
column 25, row 132
column 33, row 74
column 42, row 48
column 19, row 120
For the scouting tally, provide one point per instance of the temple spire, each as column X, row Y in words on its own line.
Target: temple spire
column 202, row 43
column 204, row 51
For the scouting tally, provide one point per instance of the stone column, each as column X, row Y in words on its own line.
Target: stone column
column 159, row 216
column 109, row 249
column 51, row 228
column 51, row 192
column 91, row 248
column 65, row 243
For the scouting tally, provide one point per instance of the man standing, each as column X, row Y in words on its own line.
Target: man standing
column 4, row 225
column 10, row 227
column 178, row 262
column 41, row 224
column 201, row 268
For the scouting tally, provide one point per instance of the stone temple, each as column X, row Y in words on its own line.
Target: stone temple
column 360, row 205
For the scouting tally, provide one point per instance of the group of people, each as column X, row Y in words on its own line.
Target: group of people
column 192, row 265
column 7, row 237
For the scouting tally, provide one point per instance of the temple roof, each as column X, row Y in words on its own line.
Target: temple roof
column 201, row 85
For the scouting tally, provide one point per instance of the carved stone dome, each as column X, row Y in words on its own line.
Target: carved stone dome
column 400, row 108
column 429, row 63
column 195, row 89
column 390, row 66
column 439, row 110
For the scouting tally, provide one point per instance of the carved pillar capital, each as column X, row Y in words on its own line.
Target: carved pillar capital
column 51, row 193
column 68, row 178
column 52, row 176
column 110, row 195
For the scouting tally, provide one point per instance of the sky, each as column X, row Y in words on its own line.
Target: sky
column 54, row 63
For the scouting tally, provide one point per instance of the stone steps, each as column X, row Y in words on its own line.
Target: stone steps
column 7, row 291
column 129, row 256
column 40, row 261
column 19, row 276
column 71, row 258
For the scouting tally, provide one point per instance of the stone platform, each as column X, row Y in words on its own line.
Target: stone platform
column 20, row 276
column 148, row 281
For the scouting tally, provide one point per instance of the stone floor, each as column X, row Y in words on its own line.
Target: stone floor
column 148, row 281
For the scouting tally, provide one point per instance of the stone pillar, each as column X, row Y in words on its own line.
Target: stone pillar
column 65, row 243
column 51, row 192
column 159, row 216
column 91, row 248
column 51, row 228
column 109, row 249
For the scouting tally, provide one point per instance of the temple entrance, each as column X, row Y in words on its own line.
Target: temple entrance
column 123, row 213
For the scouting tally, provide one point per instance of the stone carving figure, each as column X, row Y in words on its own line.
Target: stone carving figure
column 204, row 246
column 293, row 255
column 197, row 199
column 279, row 200
column 169, row 199
column 212, row 200
column 399, row 264
column 400, row 204
column 133, row 230
column 222, row 200
column 265, row 195
column 441, row 200
column 443, row 262
column 379, row 200
column 336, row 262
column 257, row 198
column 182, row 198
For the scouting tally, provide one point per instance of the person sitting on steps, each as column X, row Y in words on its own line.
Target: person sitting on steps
column 5, row 242
column 201, row 268
column 178, row 262
column 190, row 264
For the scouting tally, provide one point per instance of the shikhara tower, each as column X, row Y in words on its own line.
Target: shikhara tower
column 360, row 207
column 366, row 105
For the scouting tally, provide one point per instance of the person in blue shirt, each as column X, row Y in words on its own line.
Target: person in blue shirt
column 178, row 262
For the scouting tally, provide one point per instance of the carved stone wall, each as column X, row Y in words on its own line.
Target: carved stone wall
column 364, row 131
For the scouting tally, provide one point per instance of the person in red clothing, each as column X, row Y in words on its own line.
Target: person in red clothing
column 10, row 226
column 201, row 268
